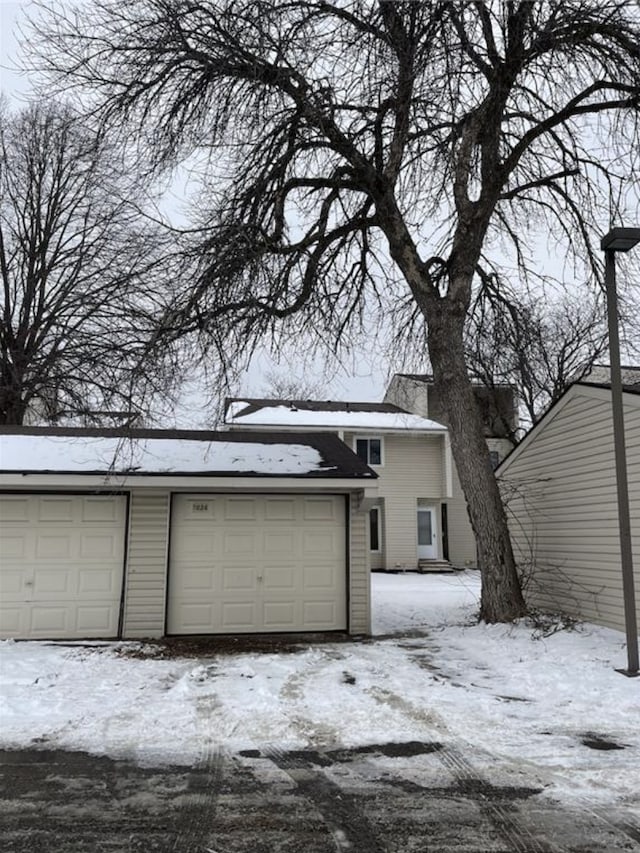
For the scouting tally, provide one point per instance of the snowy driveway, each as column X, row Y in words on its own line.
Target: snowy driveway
column 397, row 798
column 439, row 735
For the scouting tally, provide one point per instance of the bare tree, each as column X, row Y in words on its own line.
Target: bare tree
column 289, row 386
column 82, row 275
column 342, row 133
column 538, row 345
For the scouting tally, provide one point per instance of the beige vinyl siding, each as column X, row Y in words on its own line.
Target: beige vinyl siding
column 413, row 468
column 562, row 503
column 359, row 571
column 462, row 544
column 377, row 560
column 144, row 611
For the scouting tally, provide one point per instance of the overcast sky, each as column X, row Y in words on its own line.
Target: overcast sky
column 11, row 83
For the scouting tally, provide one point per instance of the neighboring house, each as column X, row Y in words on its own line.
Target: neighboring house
column 498, row 409
column 409, row 453
column 39, row 414
column 600, row 374
column 147, row 533
column 559, row 485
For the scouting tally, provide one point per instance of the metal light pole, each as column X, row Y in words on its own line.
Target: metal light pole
column 621, row 240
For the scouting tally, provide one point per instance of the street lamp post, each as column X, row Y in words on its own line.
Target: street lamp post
column 621, row 240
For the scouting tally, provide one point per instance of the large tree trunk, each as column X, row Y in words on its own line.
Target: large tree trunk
column 501, row 599
column 12, row 407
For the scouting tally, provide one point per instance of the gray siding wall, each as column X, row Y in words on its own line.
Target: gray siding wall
column 145, row 593
column 413, row 468
column 359, row 572
column 562, row 504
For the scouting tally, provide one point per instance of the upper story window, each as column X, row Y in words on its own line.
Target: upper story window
column 494, row 459
column 369, row 450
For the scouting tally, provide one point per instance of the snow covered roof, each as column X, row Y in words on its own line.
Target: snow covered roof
column 325, row 414
column 177, row 452
column 600, row 375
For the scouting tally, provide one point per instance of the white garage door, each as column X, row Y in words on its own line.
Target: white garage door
column 61, row 564
column 250, row 563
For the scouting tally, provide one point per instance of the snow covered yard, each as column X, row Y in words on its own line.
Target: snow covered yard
column 525, row 710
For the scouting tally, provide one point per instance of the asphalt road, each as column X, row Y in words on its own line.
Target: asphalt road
column 392, row 798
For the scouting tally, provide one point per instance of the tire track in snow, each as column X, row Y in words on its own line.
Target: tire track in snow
column 463, row 772
column 345, row 821
column 292, row 692
column 625, row 825
column 197, row 819
column 520, row 839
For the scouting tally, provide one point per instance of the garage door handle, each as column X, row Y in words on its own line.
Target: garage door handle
column 28, row 583
column 259, row 577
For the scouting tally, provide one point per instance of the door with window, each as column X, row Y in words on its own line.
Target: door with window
column 427, row 544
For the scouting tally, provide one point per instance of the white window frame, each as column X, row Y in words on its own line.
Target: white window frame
column 368, row 438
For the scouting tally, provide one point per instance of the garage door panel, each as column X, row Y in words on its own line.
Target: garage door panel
column 319, row 509
column 322, row 542
column 53, row 583
column 54, row 547
column 96, row 510
column 281, row 615
column 12, row 619
column 13, row 547
column 55, row 509
column 196, row 508
column 278, row 578
column 12, row 585
column 199, row 580
column 318, row 613
column 281, row 567
column 240, row 509
column 197, row 546
column 97, row 582
column 50, row 621
column 280, row 509
column 238, row 616
column 239, row 543
column 319, row 578
column 280, row 542
column 14, row 509
column 196, row 617
column 62, row 566
column 95, row 620
column 99, row 546
column 239, row 579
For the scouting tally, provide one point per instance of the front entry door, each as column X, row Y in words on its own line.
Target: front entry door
column 427, row 546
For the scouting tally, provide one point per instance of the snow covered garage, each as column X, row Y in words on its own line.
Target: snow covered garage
column 106, row 534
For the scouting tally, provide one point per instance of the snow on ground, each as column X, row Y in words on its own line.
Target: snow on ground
column 519, row 707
